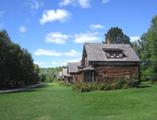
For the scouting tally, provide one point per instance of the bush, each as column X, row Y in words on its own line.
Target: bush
column 107, row 85
column 133, row 83
column 83, row 87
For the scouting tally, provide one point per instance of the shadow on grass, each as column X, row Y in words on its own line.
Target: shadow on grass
column 144, row 86
column 38, row 88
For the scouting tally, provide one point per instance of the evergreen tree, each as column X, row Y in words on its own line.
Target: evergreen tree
column 115, row 35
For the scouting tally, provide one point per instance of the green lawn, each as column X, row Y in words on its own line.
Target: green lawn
column 56, row 102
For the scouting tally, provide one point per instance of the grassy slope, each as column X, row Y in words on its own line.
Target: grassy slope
column 56, row 102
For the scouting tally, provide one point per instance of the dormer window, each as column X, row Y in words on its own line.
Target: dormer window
column 112, row 53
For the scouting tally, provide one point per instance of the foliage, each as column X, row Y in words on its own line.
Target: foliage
column 16, row 65
column 49, row 74
column 106, row 85
column 136, row 45
column 146, row 48
column 116, row 35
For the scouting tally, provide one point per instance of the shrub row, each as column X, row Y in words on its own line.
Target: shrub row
column 107, row 85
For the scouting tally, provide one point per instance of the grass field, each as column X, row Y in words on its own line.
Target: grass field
column 56, row 102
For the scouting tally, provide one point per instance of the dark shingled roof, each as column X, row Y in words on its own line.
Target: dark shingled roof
column 95, row 52
column 73, row 67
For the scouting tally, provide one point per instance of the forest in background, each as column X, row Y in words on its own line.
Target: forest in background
column 50, row 74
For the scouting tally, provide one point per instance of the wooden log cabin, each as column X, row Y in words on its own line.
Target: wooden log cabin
column 101, row 62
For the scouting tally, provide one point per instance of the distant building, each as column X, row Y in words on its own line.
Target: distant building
column 65, row 76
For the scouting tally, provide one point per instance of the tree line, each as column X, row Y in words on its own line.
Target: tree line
column 50, row 74
column 146, row 48
column 16, row 65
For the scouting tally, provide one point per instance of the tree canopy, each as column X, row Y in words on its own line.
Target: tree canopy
column 146, row 48
column 16, row 64
column 115, row 35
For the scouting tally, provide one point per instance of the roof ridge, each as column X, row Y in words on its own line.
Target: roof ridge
column 86, row 43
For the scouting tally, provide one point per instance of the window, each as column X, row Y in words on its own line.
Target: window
column 114, row 53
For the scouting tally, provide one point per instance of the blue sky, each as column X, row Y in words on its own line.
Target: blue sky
column 54, row 31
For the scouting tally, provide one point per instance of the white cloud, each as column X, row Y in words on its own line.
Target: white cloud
column 66, row 2
column 96, row 26
column 72, row 53
column 86, row 37
column 45, row 52
column 105, row 1
column 56, row 37
column 134, row 38
column 74, row 60
column 54, row 15
column 48, row 64
column 40, row 63
column 64, row 62
column 81, row 3
column 22, row 29
column 34, row 4
column 57, row 63
column 84, row 3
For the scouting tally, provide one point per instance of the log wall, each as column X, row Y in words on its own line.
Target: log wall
column 113, row 72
